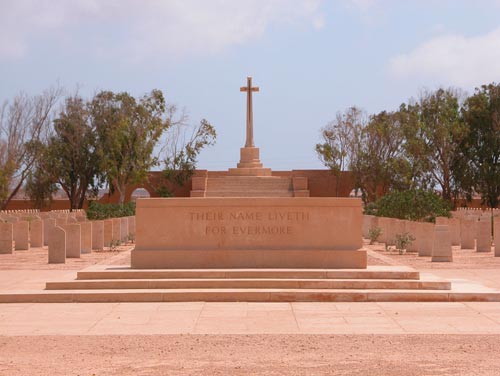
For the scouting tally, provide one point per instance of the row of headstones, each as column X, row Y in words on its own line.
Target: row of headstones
column 70, row 240
column 26, row 227
column 436, row 240
column 65, row 234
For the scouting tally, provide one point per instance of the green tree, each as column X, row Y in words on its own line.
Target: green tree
column 379, row 163
column 70, row 159
column 433, row 133
column 128, row 130
column 477, row 166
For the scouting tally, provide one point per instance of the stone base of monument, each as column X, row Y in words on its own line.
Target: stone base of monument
column 253, row 250
column 250, row 164
column 113, row 283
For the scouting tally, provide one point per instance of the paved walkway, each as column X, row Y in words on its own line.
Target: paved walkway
column 245, row 318
column 248, row 318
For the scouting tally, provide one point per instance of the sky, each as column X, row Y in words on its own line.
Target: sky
column 310, row 58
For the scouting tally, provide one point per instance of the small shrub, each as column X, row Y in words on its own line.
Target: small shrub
column 374, row 233
column 414, row 205
column 97, row 211
column 403, row 241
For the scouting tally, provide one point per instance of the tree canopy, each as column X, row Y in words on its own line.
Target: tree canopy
column 443, row 141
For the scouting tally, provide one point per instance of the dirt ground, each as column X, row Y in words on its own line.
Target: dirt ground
column 384, row 355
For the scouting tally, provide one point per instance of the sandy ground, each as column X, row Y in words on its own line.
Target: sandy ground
column 387, row 355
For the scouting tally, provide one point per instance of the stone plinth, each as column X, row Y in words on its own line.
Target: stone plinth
column 108, row 232
column 250, row 164
column 179, row 233
column 86, row 236
column 454, row 224
column 117, row 230
column 57, row 245
column 21, row 235
column 467, row 234
column 97, row 235
column 483, row 240
column 496, row 235
column 425, row 238
column 73, row 240
column 441, row 245
column 36, row 233
column 124, row 229
column 131, row 226
column 6, row 238
column 48, row 224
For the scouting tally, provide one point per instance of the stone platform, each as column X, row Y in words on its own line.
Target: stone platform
column 249, row 186
column 103, row 283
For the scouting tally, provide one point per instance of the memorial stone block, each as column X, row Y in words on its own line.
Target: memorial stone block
column 36, row 233
column 124, row 229
column 131, row 226
column 117, row 230
column 73, row 240
column 86, row 236
column 108, row 232
column 425, row 238
column 441, row 245
column 496, row 235
column 98, row 235
column 483, row 241
column 21, row 235
column 6, row 238
column 467, row 234
column 48, row 224
column 57, row 245
column 294, row 232
column 454, row 224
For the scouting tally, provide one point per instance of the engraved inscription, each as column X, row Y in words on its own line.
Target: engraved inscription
column 249, row 223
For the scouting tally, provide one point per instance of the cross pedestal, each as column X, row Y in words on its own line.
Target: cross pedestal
column 250, row 164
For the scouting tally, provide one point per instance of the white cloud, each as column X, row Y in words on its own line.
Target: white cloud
column 453, row 59
column 153, row 27
column 362, row 5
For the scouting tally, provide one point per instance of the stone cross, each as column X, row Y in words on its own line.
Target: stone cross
column 249, row 89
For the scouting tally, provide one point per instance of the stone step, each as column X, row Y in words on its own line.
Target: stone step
column 372, row 272
column 248, row 193
column 246, row 283
column 253, row 183
column 247, row 295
